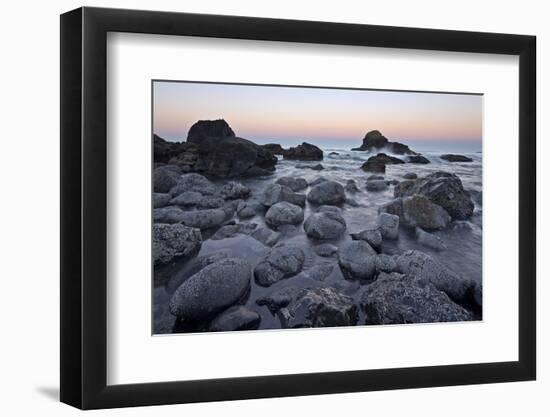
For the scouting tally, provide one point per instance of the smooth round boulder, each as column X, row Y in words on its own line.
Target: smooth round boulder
column 388, row 224
column 172, row 241
column 284, row 213
column 276, row 193
column 161, row 199
column 203, row 219
column 235, row 318
column 164, row 178
column 377, row 185
column 357, row 260
column 372, row 236
column 327, row 192
column 295, row 184
column 282, row 262
column 212, row 290
column 188, row 198
column 325, row 225
column 419, row 211
column 192, row 182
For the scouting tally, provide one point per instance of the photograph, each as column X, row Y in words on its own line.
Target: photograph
column 281, row 207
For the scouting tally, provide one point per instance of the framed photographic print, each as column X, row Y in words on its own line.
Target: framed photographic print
column 258, row 207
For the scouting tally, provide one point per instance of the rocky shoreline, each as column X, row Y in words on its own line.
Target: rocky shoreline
column 237, row 246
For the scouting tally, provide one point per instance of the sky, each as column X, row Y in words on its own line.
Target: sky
column 324, row 117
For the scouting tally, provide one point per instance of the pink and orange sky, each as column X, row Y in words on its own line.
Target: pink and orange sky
column 325, row 117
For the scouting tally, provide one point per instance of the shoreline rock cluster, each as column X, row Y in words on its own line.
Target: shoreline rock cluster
column 376, row 287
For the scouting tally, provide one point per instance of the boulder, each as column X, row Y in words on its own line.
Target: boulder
column 325, row 225
column 172, row 241
column 418, row 159
column 316, row 167
column 192, row 182
column 168, row 214
column 317, row 181
column 421, row 212
column 385, row 263
column 249, row 209
column 388, row 224
column 399, row 299
column 403, row 188
column 351, row 186
column 318, row 272
column 325, row 249
column 234, row 190
column 276, row 193
column 304, row 152
column 423, row 266
column 205, row 129
column 284, row 213
column 375, row 177
column 319, row 307
column 327, row 192
column 266, row 236
column 295, row 184
column 164, row 178
column 377, row 185
column 212, row 290
column 455, row 158
column 278, row 299
column 211, row 202
column 444, row 189
column 231, row 230
column 429, row 240
column 375, row 141
column 357, row 260
column 410, row 176
column 235, row 318
column 378, row 163
column 372, row 236
column 282, row 262
column 203, row 219
column 274, row 148
column 161, row 199
column 188, row 198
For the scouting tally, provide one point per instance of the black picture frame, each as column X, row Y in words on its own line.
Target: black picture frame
column 84, row 207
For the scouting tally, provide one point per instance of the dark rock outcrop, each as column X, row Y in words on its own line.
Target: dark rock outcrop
column 205, row 129
column 304, row 152
column 418, row 159
column 374, row 141
column 274, row 148
column 399, row 299
column 378, row 163
column 444, row 189
column 455, row 158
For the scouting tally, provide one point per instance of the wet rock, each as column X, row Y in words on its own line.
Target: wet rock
column 333, row 154
column 203, row 219
column 325, row 249
column 235, row 318
column 327, row 192
column 374, row 141
column 188, row 198
column 399, row 299
column 352, row 202
column 351, row 186
column 403, row 188
column 357, row 260
column 316, row 167
column 172, row 152
column 388, row 224
column 234, row 190
column 319, row 271
column 229, row 231
column 276, row 193
column 429, row 240
column 374, row 177
column 455, row 158
column 284, row 213
column 444, row 189
column 325, row 224
column 278, row 299
column 372, row 236
column 418, row 159
column 274, row 148
column 212, row 290
column 172, row 241
column 282, row 262
column 193, row 182
column 304, row 152
column 421, row 212
column 423, row 266
column 319, row 307
column 377, row 185
column 410, row 176
column 161, row 199
column 249, row 209
column 295, row 184
column 317, row 181
column 385, row 263
column 164, row 178
column 211, row 202
column 346, row 287
column 266, row 236
column 378, row 163
column 169, row 214
column 394, row 206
